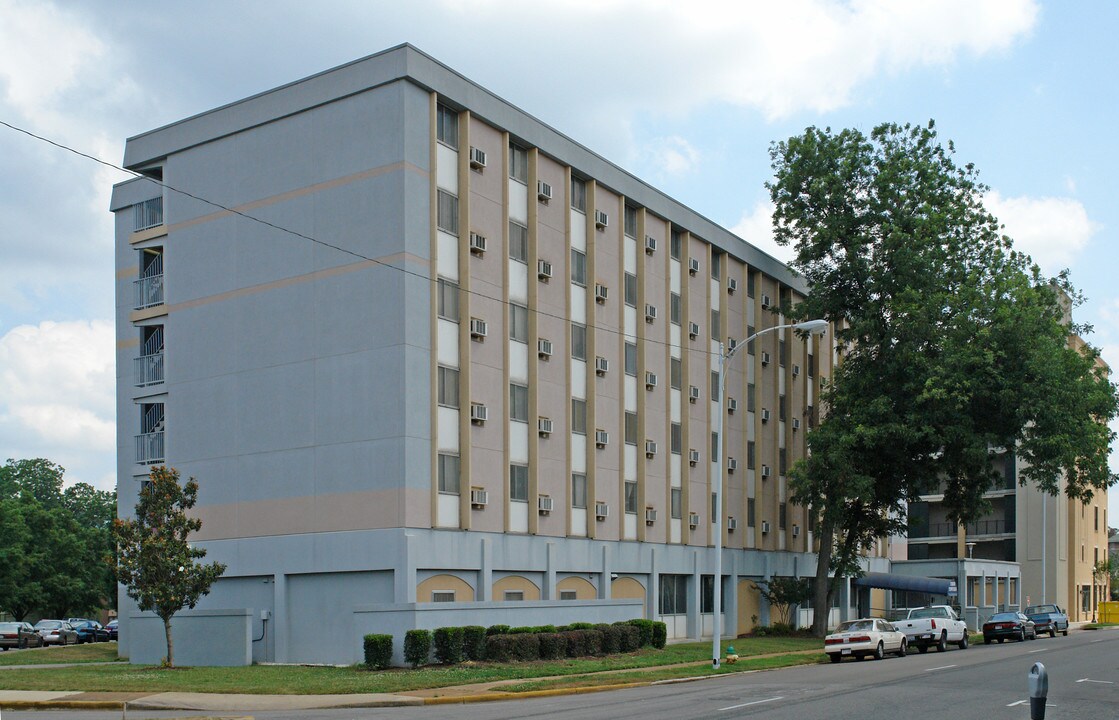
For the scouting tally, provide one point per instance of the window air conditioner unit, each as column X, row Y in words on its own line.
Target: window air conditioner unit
column 693, row 519
column 601, row 438
column 479, row 413
column 765, row 302
column 693, row 456
column 650, row 516
column 650, row 244
column 601, row 293
column 601, row 365
column 732, row 524
column 650, row 380
column 693, row 393
column 479, row 497
column 601, row 219
column 543, row 190
column 732, row 465
column 544, row 503
column 732, row 285
column 544, row 425
column 477, row 158
column 765, row 471
column 796, row 370
column 765, row 527
column 650, row 313
column 693, row 330
column 693, row 265
column 544, row 347
column 477, row 243
column 477, row 328
column 601, row 510
column 650, row 448
column 765, row 357
column 732, row 343
column 796, row 424
column 732, row 405
column 765, row 415
column 796, row 530
column 544, row 269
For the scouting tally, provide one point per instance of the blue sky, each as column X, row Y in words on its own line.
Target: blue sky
column 687, row 96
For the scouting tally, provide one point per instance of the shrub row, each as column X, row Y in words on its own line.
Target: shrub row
column 501, row 643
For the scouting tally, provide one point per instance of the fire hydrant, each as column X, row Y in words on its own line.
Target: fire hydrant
column 732, row 656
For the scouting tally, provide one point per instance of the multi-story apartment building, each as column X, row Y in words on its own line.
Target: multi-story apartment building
column 434, row 363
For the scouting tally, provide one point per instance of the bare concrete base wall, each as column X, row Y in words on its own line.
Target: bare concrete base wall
column 396, row 620
column 201, row 637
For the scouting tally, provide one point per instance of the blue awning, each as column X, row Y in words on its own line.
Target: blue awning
column 888, row 581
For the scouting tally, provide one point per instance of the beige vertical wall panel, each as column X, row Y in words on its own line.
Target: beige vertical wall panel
column 698, row 373
column 653, row 280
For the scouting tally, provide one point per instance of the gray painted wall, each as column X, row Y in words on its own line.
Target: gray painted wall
column 200, row 637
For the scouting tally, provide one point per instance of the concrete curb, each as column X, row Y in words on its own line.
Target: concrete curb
column 62, row 705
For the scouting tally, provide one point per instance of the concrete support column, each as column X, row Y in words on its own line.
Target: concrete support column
column 695, row 620
column 404, row 574
column 730, row 604
column 844, row 600
column 485, row 573
column 961, row 589
column 549, row 589
column 604, row 584
column 653, row 586
column 280, row 617
column 983, row 590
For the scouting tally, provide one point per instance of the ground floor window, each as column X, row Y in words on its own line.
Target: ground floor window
column 516, row 595
column 707, row 595
column 674, row 594
column 568, row 595
column 443, row 596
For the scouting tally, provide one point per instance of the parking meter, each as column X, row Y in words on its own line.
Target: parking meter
column 1039, row 690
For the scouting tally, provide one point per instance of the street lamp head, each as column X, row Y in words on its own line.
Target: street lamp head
column 812, row 327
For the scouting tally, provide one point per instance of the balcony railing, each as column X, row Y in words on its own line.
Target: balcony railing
column 149, row 369
column 149, row 448
column 948, row 529
column 147, row 214
column 149, row 292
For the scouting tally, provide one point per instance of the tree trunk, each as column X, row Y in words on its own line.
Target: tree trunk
column 821, row 601
column 170, row 642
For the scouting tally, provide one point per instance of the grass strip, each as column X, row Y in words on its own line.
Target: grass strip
column 90, row 652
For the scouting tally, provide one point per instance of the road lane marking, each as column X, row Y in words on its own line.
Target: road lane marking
column 1102, row 682
column 1031, row 651
column 942, row 667
column 1020, row 702
column 756, row 702
column 1093, row 642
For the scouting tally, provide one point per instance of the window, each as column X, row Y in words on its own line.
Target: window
column 448, row 386
column 447, row 292
column 631, row 221
column 782, row 353
column 518, row 322
column 716, row 264
column 446, row 126
column 782, row 515
column 578, row 267
column 715, row 331
column 631, row 289
column 707, row 595
column 675, row 373
column 568, row 595
column 714, row 446
column 442, row 596
column 518, row 403
column 674, row 594
column 146, row 486
column 578, row 341
column 578, row 194
column 782, row 461
column 578, row 490
column 578, row 416
column 676, row 439
column 631, row 497
column 448, row 474
column 810, row 414
column 781, row 407
column 674, row 308
column 447, row 217
column 518, row 483
column 674, row 245
column 631, row 428
column 750, row 345
column 749, row 283
column 1097, row 509
column 811, row 365
column 675, row 505
column 714, row 500
column 631, row 359
column 751, row 454
column 518, row 241
column 751, row 510
column 715, row 385
column 811, row 521
column 514, row 595
column 751, row 405
column 518, row 163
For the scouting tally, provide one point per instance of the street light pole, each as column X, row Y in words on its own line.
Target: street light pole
column 812, row 327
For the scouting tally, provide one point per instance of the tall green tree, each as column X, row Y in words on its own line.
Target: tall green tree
column 155, row 561
column 952, row 343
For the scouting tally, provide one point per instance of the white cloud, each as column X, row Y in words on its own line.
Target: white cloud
column 1054, row 231
column 672, row 155
column 756, row 227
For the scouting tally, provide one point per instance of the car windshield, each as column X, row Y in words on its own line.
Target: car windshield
column 48, row 624
column 1038, row 609
column 853, row 625
column 1003, row 617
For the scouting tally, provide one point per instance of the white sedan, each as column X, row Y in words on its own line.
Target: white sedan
column 871, row 637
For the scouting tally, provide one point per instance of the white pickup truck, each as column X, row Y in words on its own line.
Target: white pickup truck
column 934, row 626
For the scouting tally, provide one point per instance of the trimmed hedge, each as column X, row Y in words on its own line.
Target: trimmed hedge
column 474, row 642
column 660, row 635
column 611, row 638
column 629, row 637
column 497, row 630
column 531, row 629
column 645, row 627
column 417, row 647
column 512, row 648
column 553, row 646
column 378, row 651
column 448, row 645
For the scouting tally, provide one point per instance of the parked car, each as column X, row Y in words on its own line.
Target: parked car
column 1012, row 625
column 19, row 635
column 90, row 631
column 57, row 632
column 112, row 628
column 1048, row 618
column 867, row 637
column 934, row 626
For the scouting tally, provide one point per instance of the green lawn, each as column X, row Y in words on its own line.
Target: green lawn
column 291, row 679
column 91, row 652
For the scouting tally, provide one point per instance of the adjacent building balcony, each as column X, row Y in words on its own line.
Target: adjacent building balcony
column 147, row 214
column 149, row 448
column 977, row 528
column 149, row 369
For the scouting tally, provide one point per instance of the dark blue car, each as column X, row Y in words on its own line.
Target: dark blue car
column 91, row 631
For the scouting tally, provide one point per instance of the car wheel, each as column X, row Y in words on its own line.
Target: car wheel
column 942, row 643
column 835, row 657
column 880, row 651
column 922, row 649
column 1022, row 635
column 986, row 640
column 962, row 644
column 1052, row 632
column 1065, row 632
column 904, row 649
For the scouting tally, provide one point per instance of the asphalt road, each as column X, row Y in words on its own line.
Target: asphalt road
column 982, row 682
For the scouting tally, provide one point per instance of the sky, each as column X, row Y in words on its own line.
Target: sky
column 687, row 96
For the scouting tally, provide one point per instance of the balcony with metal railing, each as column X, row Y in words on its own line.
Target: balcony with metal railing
column 147, row 214
column 149, row 369
column 149, row 288
column 149, row 448
column 977, row 528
